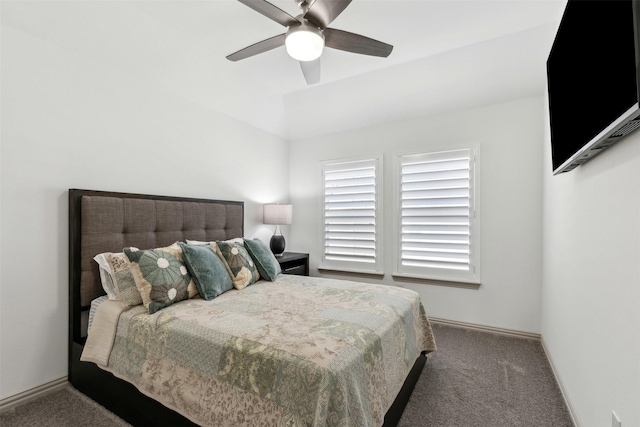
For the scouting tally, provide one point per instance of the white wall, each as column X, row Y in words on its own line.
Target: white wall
column 70, row 121
column 591, row 282
column 509, row 135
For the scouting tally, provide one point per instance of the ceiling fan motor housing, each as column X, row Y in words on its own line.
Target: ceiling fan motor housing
column 303, row 4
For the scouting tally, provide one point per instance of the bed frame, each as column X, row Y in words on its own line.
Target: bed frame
column 106, row 222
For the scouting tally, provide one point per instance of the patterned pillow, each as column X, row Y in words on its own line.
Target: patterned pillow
column 161, row 276
column 208, row 271
column 122, row 278
column 267, row 264
column 238, row 262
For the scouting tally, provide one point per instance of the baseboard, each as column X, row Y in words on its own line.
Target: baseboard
column 484, row 328
column 572, row 412
column 11, row 402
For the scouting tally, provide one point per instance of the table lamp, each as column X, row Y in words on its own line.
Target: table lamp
column 277, row 214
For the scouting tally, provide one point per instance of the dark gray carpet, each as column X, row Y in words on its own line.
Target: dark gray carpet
column 485, row 380
column 475, row 379
column 65, row 408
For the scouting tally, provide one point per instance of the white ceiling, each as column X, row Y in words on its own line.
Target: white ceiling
column 448, row 55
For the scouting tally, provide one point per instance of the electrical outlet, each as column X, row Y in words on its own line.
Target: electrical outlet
column 615, row 421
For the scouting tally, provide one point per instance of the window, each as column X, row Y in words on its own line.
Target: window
column 352, row 216
column 437, row 221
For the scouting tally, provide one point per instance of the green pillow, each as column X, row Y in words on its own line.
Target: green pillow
column 265, row 261
column 238, row 263
column 208, row 271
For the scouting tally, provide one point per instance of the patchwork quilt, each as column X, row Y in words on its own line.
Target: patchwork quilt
column 299, row 351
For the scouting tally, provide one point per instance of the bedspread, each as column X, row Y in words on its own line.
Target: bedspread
column 299, row 351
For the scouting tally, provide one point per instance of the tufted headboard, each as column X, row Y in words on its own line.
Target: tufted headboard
column 107, row 222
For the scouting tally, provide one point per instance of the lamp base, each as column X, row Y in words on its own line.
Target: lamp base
column 277, row 244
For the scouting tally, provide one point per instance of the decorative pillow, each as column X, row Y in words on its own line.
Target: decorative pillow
column 267, row 264
column 105, row 275
column 238, row 263
column 207, row 269
column 122, row 278
column 161, row 276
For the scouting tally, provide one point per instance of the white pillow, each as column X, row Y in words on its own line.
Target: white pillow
column 105, row 276
column 238, row 240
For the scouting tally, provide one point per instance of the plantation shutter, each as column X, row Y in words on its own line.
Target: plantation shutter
column 350, row 215
column 436, row 213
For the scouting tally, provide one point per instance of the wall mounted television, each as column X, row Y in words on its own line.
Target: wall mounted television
column 593, row 79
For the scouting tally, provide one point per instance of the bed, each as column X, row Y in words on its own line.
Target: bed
column 326, row 367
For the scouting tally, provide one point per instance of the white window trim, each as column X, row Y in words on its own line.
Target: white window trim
column 355, row 267
column 473, row 276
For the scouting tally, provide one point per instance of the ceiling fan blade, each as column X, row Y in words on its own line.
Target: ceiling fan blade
column 260, row 47
column 355, row 43
column 270, row 11
column 311, row 71
column 321, row 13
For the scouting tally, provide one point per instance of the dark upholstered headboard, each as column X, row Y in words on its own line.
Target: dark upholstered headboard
column 107, row 222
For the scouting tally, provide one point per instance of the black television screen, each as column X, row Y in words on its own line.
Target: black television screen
column 592, row 79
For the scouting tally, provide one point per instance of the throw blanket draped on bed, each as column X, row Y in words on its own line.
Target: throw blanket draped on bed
column 299, row 351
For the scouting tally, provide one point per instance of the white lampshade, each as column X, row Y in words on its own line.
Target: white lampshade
column 275, row 213
column 304, row 42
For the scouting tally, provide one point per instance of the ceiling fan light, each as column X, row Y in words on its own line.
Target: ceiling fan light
column 304, row 44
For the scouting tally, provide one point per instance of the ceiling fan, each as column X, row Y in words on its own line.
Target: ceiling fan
column 308, row 33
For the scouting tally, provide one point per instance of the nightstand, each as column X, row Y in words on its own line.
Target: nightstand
column 294, row 263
